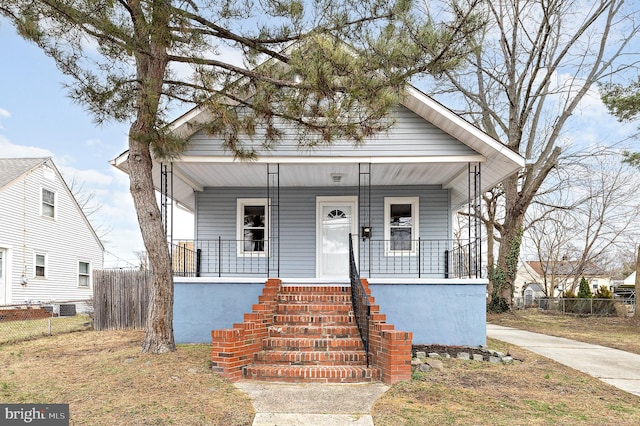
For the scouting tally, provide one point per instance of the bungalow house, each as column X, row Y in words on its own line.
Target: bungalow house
column 48, row 248
column 554, row 277
column 292, row 214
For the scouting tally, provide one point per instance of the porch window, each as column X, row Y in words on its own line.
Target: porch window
column 48, row 203
column 84, row 274
column 401, row 224
column 252, row 226
column 40, row 265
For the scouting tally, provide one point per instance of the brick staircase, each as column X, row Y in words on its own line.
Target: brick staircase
column 314, row 338
column 308, row 334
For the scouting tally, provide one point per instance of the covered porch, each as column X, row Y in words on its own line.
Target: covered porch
column 299, row 221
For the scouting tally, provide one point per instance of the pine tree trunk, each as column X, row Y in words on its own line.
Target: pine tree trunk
column 151, row 66
column 159, row 330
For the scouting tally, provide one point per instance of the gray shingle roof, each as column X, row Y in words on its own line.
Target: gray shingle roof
column 13, row 168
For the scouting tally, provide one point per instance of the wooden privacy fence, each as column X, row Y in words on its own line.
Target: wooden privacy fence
column 121, row 299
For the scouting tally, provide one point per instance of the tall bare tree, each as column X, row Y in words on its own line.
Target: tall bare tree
column 533, row 65
column 590, row 214
column 126, row 59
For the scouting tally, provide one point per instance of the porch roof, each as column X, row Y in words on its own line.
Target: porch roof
column 192, row 173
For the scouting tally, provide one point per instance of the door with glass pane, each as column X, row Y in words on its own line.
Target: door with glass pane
column 336, row 219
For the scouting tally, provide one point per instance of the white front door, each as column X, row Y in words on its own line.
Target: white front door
column 3, row 277
column 337, row 217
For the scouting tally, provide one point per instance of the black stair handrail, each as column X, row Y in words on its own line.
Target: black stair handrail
column 359, row 300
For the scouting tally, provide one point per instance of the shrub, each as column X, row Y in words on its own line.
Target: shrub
column 498, row 305
column 569, row 294
column 603, row 293
column 584, row 292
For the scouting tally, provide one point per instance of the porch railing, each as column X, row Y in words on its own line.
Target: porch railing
column 195, row 258
column 377, row 258
column 359, row 300
column 421, row 258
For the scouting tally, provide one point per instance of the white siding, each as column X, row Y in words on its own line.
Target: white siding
column 66, row 240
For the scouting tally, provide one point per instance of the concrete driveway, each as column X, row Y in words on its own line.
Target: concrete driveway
column 615, row 367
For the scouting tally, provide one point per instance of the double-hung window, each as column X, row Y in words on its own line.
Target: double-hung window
column 84, row 274
column 401, row 224
column 252, row 226
column 48, row 203
column 40, row 265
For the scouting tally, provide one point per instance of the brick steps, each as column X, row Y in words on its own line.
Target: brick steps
column 313, row 374
column 313, row 339
column 314, row 319
column 339, row 330
column 324, row 308
column 311, row 344
column 307, row 334
column 335, row 358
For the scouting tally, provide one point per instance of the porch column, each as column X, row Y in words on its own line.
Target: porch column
column 475, row 225
column 273, row 200
column 166, row 199
column 364, row 218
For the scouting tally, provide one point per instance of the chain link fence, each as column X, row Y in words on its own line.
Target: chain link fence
column 578, row 306
column 33, row 320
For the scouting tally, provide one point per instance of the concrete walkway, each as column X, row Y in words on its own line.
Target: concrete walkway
column 615, row 367
column 312, row 404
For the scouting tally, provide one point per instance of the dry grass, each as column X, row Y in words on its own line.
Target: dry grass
column 614, row 332
column 15, row 331
column 536, row 391
column 107, row 381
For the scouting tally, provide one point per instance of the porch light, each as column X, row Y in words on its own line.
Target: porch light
column 336, row 177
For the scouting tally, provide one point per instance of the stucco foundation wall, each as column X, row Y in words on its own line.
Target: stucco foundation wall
column 449, row 313
column 200, row 307
column 452, row 314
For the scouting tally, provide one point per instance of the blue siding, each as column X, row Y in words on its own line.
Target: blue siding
column 410, row 135
column 217, row 209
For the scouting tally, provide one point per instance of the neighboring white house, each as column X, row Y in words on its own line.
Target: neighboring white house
column 630, row 280
column 558, row 276
column 48, row 249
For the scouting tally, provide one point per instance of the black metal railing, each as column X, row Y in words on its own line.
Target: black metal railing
column 185, row 261
column 359, row 300
column 378, row 258
column 220, row 257
column 420, row 258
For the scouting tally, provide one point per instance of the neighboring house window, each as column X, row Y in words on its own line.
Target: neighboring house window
column 594, row 284
column 48, row 203
column 41, row 265
column 84, row 274
column 401, row 224
column 252, row 225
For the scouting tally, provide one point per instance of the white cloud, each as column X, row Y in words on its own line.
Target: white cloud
column 91, row 177
column 10, row 150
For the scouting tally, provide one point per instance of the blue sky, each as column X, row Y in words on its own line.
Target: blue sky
column 38, row 119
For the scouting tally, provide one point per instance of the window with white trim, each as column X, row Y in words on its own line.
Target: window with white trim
column 40, row 262
column 48, row 203
column 401, row 224
column 84, row 274
column 252, row 226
